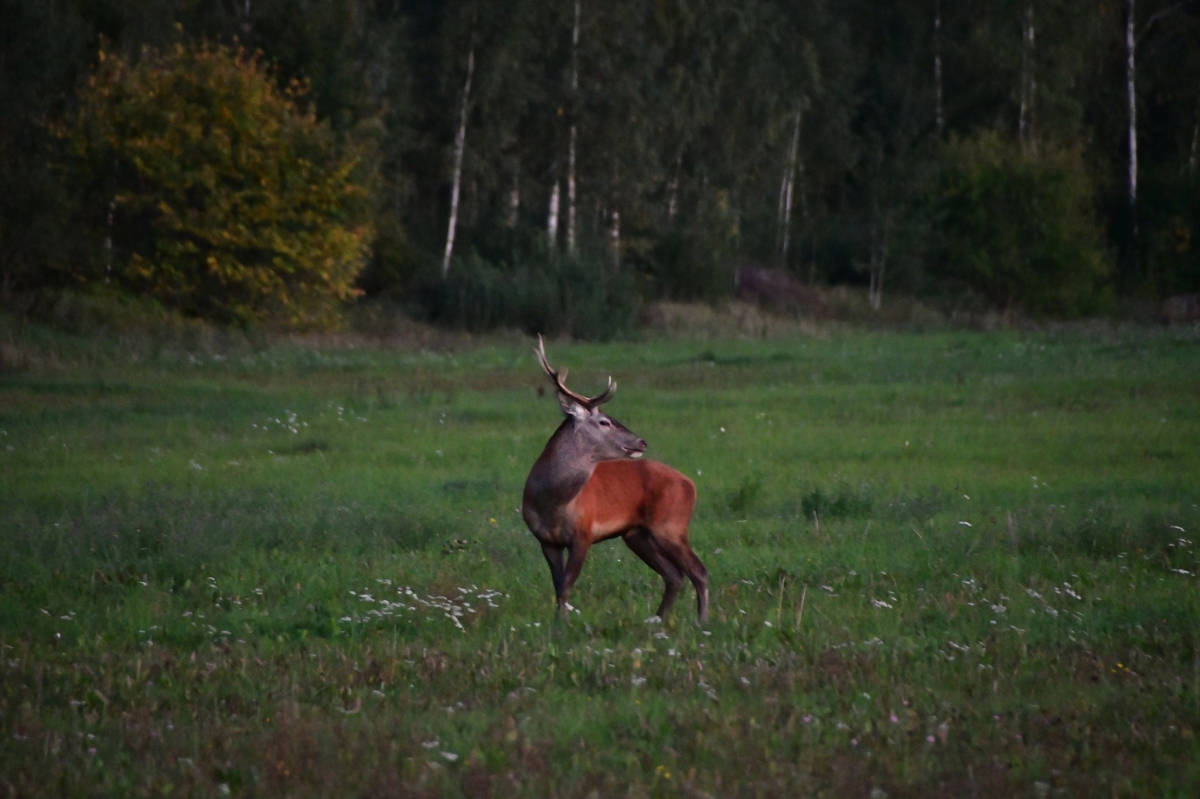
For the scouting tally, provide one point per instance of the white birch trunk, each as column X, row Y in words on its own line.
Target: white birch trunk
column 514, row 195
column 783, row 190
column 1131, row 97
column 552, row 221
column 1024, row 100
column 1131, row 40
column 574, row 131
column 1032, row 128
column 1028, row 83
column 108, row 241
column 939, row 113
column 614, row 238
column 460, row 140
column 571, row 193
column 514, row 204
column 790, row 179
column 673, row 191
column 787, row 224
column 878, row 265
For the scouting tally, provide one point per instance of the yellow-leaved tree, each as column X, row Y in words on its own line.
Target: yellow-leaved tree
column 215, row 192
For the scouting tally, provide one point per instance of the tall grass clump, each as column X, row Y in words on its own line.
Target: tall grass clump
column 586, row 297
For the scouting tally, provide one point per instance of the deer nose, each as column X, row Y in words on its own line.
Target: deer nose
column 635, row 451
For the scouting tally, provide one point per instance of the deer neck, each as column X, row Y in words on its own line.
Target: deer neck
column 561, row 471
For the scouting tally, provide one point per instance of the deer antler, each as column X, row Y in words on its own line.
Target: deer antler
column 560, row 381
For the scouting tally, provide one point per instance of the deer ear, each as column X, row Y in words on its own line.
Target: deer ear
column 571, row 407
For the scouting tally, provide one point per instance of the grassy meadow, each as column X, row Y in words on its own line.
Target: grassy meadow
column 943, row 564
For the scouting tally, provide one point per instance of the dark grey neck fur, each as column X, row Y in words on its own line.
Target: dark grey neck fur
column 562, row 470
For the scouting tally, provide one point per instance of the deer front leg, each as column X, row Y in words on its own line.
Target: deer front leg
column 554, row 557
column 576, row 554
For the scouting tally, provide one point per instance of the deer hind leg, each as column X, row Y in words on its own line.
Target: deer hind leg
column 680, row 553
column 698, row 574
column 644, row 546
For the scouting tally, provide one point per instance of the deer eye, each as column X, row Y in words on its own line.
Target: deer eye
column 605, row 423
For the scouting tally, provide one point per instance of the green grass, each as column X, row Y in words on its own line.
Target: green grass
column 945, row 564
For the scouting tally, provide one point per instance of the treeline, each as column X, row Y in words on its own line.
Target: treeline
column 548, row 163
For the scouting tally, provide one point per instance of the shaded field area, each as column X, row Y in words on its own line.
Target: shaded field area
column 943, row 565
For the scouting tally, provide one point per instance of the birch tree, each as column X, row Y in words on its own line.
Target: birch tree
column 1025, row 124
column 786, row 190
column 881, row 228
column 460, row 140
column 552, row 216
column 939, row 113
column 614, row 238
column 673, row 188
column 1132, row 38
column 574, row 134
column 1131, row 105
column 513, row 212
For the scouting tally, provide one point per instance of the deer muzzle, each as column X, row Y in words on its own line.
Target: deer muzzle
column 636, row 451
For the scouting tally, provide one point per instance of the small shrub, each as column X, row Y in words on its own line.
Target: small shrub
column 585, row 298
column 841, row 503
column 746, row 497
column 1104, row 531
column 687, row 265
column 1170, row 218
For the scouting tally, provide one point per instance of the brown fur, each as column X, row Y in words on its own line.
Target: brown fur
column 627, row 495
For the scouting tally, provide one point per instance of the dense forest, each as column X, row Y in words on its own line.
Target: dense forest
column 534, row 162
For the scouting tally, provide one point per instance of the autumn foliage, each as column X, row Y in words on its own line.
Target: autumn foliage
column 215, row 192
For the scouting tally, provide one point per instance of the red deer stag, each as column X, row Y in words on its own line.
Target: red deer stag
column 590, row 484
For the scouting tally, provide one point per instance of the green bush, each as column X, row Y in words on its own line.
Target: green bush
column 210, row 190
column 840, row 503
column 686, row 265
column 584, row 297
column 1019, row 229
column 1170, row 220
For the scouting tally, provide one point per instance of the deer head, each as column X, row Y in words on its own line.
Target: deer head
column 598, row 433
